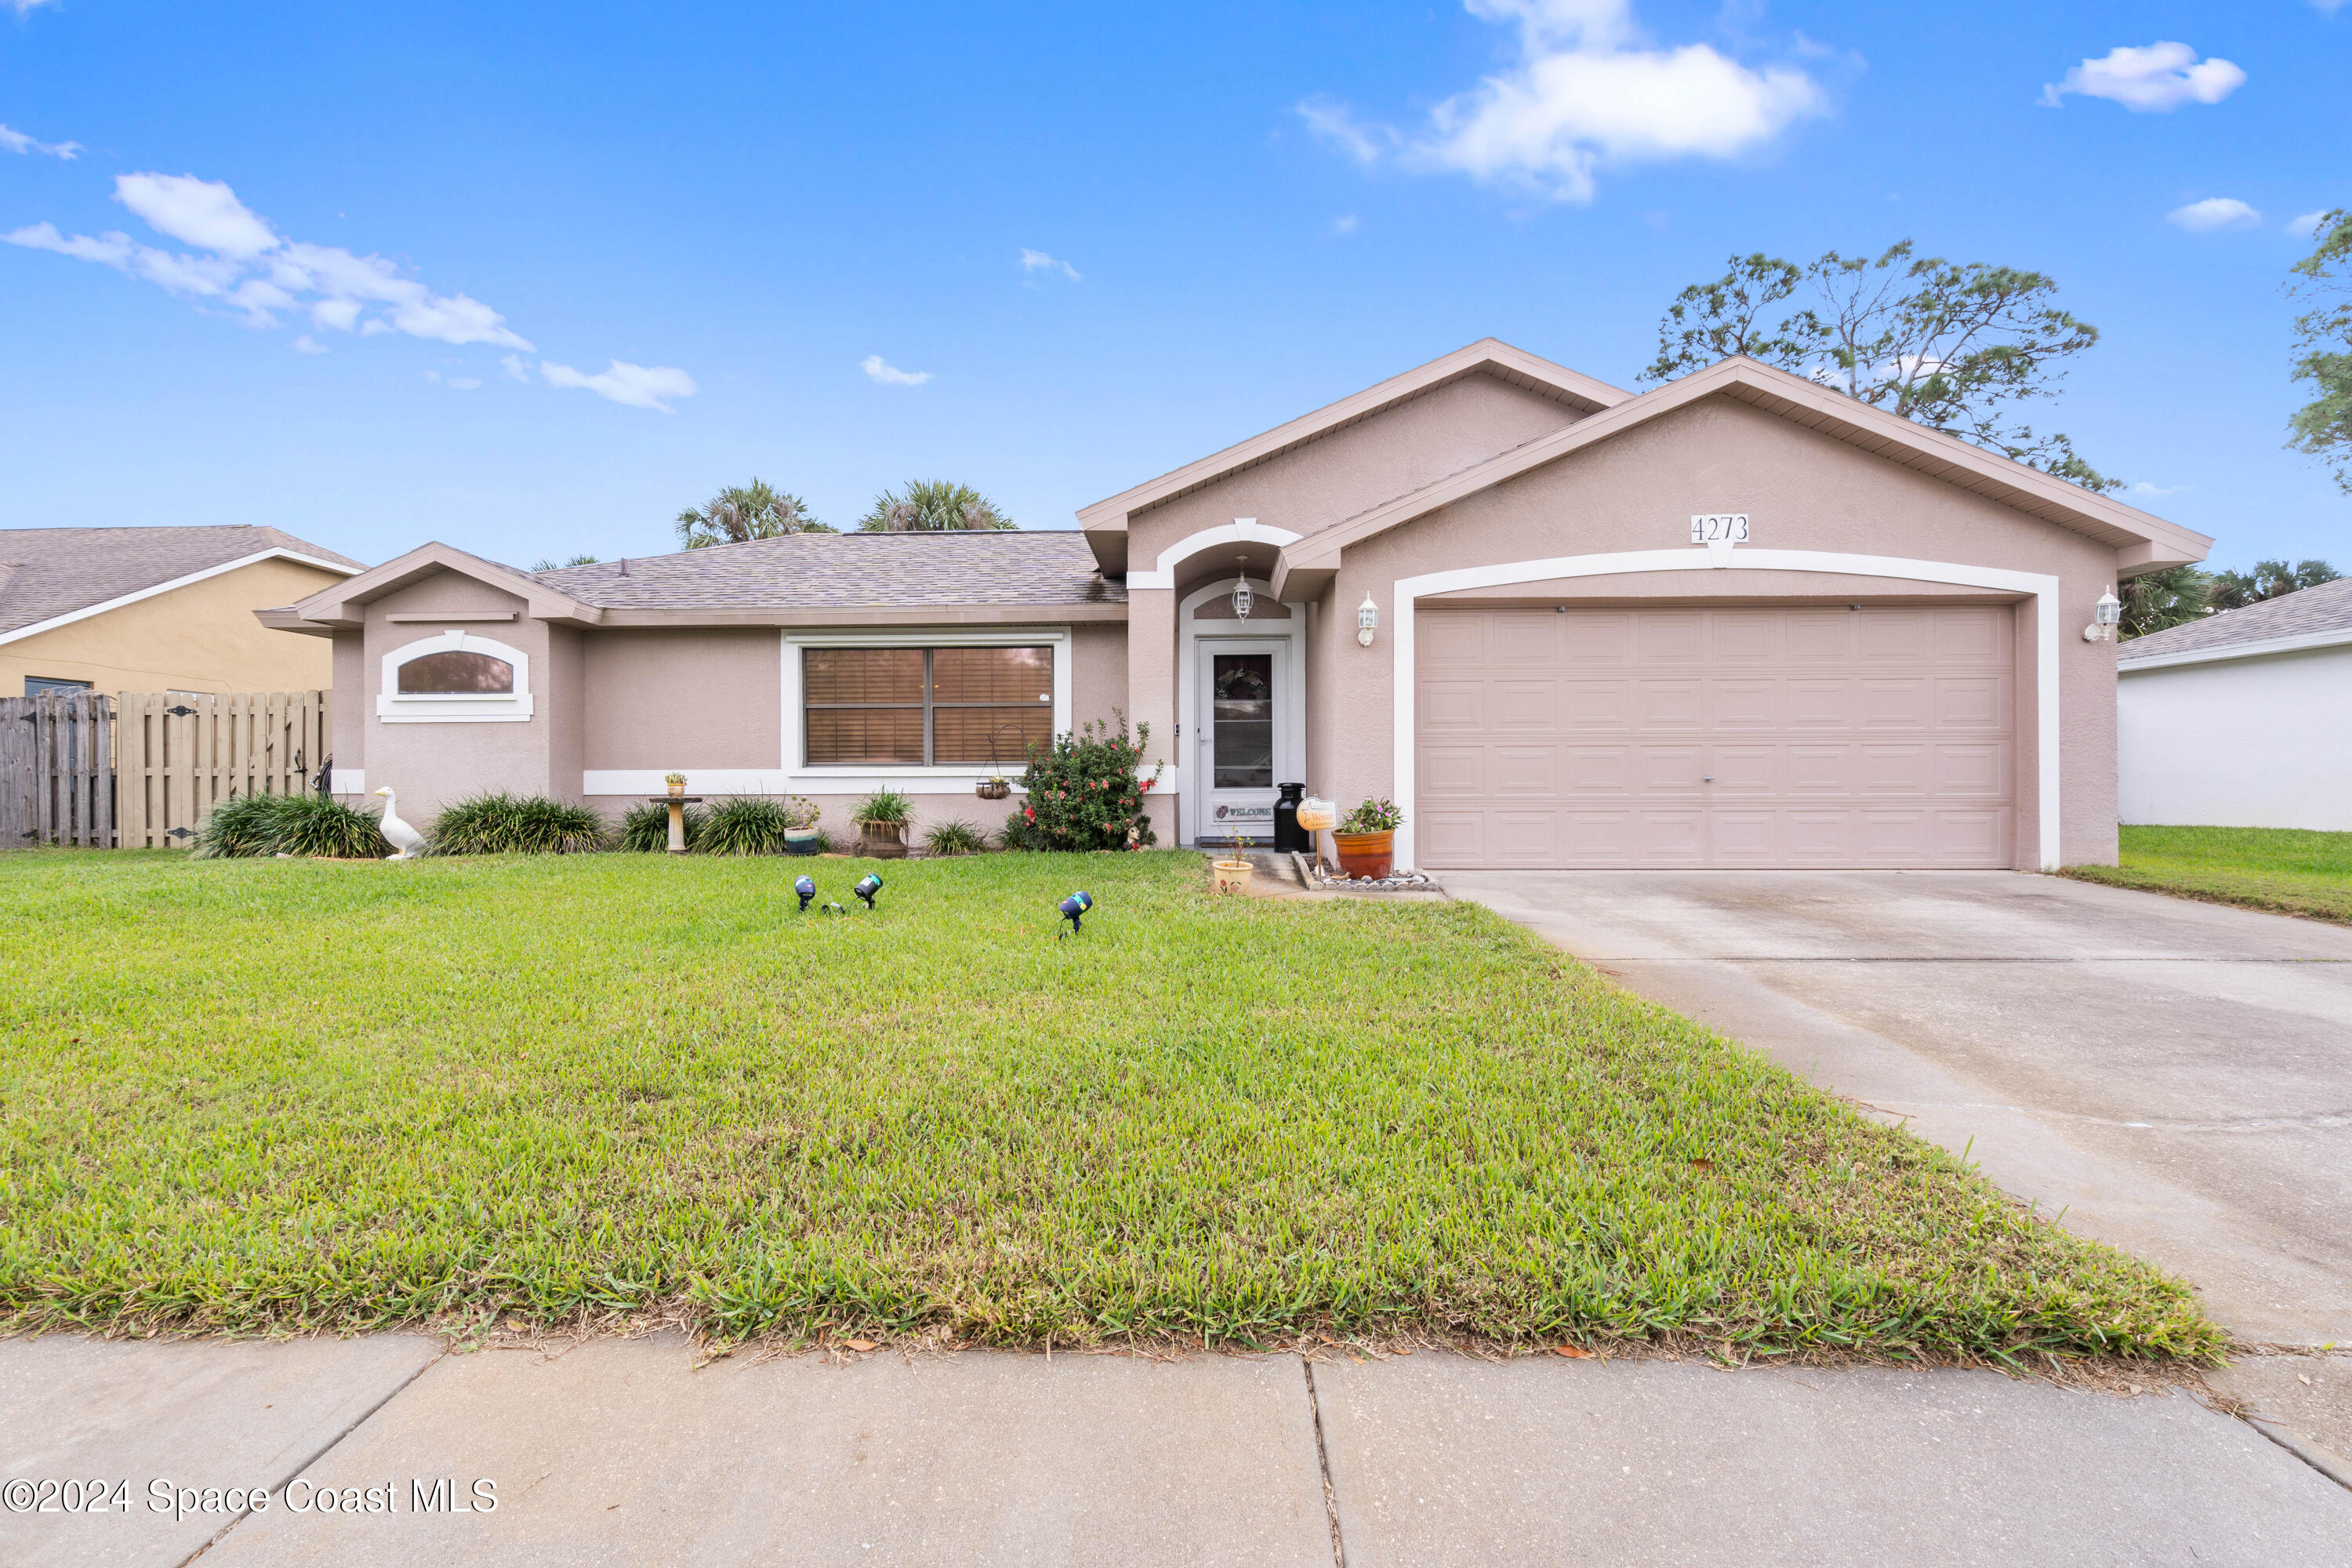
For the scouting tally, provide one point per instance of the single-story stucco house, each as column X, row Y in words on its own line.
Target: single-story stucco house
column 1739, row 620
column 2242, row 718
column 162, row 608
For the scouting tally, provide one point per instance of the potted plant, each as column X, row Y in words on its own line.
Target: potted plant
column 801, row 837
column 995, row 786
column 1232, row 873
column 677, row 783
column 882, row 820
column 1366, row 839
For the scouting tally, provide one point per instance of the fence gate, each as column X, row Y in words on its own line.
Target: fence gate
column 56, row 778
column 176, row 756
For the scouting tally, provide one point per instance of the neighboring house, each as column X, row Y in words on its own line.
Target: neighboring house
column 1882, row 665
column 2243, row 719
column 156, row 609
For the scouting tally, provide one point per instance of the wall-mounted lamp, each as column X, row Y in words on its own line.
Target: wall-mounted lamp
column 2108, row 616
column 1243, row 598
column 1368, row 621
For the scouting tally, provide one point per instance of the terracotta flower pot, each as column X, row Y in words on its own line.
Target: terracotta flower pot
column 1366, row 856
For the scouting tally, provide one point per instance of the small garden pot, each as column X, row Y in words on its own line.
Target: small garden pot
column 1365, row 856
column 801, row 840
column 882, row 840
column 1233, row 876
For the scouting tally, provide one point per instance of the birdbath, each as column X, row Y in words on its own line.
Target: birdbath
column 677, row 804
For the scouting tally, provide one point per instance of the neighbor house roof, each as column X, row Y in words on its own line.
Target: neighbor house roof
column 2142, row 542
column 2320, row 617
column 1105, row 522
column 804, row 579
column 51, row 576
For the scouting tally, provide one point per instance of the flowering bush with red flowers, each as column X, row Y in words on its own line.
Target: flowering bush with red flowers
column 1083, row 792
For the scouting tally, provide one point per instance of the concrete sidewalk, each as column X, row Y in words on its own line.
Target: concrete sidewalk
column 623, row 1452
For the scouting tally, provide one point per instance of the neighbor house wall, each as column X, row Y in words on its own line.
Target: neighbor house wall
column 1803, row 491
column 2241, row 742
column 200, row 637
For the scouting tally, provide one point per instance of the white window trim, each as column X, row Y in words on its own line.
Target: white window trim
column 803, row 778
column 393, row 705
column 1190, row 633
column 2042, row 588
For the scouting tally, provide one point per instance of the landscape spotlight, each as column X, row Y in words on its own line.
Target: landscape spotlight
column 868, row 886
column 1074, row 909
column 806, row 888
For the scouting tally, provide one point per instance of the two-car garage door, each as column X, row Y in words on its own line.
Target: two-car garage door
column 1716, row 736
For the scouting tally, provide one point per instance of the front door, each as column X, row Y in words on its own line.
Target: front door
column 1240, row 726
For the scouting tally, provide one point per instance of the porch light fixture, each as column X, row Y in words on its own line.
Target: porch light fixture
column 2104, row 618
column 1368, row 621
column 1243, row 598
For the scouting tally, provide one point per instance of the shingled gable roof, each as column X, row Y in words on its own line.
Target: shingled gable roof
column 802, row 579
column 2144, row 543
column 1105, row 522
column 2319, row 616
column 52, row 576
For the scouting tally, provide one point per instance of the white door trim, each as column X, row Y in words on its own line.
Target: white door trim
column 1189, row 636
column 2041, row 588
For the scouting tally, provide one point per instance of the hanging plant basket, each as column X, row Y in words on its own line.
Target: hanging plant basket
column 992, row 789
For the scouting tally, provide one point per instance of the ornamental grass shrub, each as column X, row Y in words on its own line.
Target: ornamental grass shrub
column 957, row 837
column 745, row 825
column 1084, row 793
column 645, row 828
column 497, row 823
column 248, row 824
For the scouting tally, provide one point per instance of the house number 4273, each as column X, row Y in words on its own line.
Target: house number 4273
column 1719, row 528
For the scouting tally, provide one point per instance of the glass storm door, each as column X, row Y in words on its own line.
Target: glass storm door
column 1240, row 755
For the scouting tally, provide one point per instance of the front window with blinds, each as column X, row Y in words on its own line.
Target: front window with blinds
column 926, row 707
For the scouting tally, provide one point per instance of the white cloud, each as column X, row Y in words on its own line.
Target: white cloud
column 878, row 369
column 2215, row 212
column 26, row 7
column 252, row 270
column 1588, row 91
column 2156, row 79
column 17, row 142
column 515, row 368
column 307, row 344
column 638, row 385
column 464, row 383
column 2153, row 491
column 1345, row 224
column 202, row 213
column 1038, row 261
column 2306, row 225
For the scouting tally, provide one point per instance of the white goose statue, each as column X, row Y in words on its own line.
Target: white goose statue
column 406, row 841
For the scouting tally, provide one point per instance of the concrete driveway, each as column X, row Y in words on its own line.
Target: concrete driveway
column 2175, row 1077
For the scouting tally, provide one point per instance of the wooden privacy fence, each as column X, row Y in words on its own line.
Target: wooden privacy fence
column 140, row 770
column 56, row 777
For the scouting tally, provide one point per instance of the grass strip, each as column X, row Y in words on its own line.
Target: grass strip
column 2287, row 870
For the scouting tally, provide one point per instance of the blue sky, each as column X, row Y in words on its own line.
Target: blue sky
column 1251, row 210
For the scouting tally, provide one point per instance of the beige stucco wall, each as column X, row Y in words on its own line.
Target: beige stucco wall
column 689, row 698
column 431, row 765
column 1803, row 491
column 201, row 638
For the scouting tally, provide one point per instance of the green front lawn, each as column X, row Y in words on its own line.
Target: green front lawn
column 2285, row 869
column 280, row 1095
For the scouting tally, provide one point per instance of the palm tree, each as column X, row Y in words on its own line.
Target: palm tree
column 2155, row 600
column 742, row 512
column 932, row 506
column 549, row 564
column 2268, row 580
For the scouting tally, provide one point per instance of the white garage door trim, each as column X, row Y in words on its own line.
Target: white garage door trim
column 2042, row 588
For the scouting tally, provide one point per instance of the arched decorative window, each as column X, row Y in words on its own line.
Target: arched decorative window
column 456, row 677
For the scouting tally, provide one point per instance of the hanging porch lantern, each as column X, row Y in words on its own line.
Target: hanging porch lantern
column 1243, row 598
